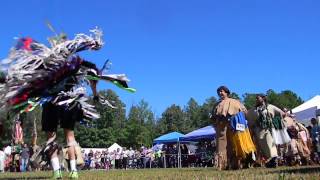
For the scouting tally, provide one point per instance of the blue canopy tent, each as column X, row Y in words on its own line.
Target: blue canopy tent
column 172, row 137
column 207, row 132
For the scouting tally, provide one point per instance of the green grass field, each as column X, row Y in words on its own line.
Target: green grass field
column 311, row 172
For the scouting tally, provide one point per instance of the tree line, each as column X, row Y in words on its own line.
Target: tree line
column 140, row 126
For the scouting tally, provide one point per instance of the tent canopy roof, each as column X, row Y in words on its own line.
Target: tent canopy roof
column 114, row 146
column 168, row 138
column 313, row 102
column 207, row 132
column 307, row 110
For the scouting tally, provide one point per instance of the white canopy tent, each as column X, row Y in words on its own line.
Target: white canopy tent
column 114, row 147
column 307, row 110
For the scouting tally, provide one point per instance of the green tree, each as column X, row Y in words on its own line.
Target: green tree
column 172, row 120
column 249, row 100
column 192, row 115
column 206, row 110
column 234, row 96
column 283, row 99
column 141, row 125
column 288, row 99
column 7, row 128
column 109, row 128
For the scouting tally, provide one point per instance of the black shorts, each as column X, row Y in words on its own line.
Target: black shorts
column 53, row 115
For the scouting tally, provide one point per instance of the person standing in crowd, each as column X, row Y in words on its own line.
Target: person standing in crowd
column 8, row 159
column 24, row 158
column 261, row 120
column 149, row 157
column 86, row 162
column 125, row 153
column 315, row 134
column 184, row 154
column 16, row 149
column 103, row 160
column 230, row 142
column 143, row 153
column 118, row 158
column 113, row 159
column 107, row 160
column 2, row 159
column 131, row 153
column 130, row 157
column 137, row 161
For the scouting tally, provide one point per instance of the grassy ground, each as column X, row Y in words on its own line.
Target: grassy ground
column 311, row 172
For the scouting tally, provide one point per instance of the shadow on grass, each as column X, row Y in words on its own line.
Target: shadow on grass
column 35, row 177
column 301, row 170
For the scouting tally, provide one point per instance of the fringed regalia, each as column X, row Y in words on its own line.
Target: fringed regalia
column 35, row 74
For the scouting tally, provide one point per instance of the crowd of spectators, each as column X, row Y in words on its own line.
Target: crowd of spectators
column 16, row 158
column 164, row 157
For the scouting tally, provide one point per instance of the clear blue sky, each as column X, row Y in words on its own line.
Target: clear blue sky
column 173, row 50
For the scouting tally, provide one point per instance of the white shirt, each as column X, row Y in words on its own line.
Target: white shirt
column 125, row 153
column 118, row 155
column 131, row 153
column 2, row 156
column 8, row 150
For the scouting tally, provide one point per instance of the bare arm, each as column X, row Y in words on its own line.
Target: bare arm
column 277, row 111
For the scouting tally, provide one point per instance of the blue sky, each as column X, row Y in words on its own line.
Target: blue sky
column 173, row 50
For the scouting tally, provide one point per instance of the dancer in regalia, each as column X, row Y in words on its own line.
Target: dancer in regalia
column 269, row 130
column 234, row 141
column 55, row 78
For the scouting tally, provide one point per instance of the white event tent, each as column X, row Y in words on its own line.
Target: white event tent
column 307, row 110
